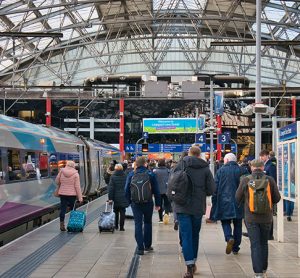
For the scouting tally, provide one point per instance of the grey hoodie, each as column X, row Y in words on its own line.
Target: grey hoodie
column 203, row 185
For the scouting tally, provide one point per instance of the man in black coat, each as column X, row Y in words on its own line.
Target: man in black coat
column 190, row 214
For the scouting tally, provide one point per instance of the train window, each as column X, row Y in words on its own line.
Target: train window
column 43, row 161
column 53, row 164
column 14, row 166
column 62, row 161
column 29, row 165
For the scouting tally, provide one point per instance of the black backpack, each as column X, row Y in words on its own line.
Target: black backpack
column 179, row 186
column 140, row 187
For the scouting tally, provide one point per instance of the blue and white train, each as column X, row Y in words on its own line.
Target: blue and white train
column 30, row 158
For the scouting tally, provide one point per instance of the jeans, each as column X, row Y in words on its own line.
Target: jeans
column 164, row 206
column 142, row 214
column 189, row 229
column 65, row 201
column 121, row 212
column 288, row 207
column 237, row 232
column 258, row 235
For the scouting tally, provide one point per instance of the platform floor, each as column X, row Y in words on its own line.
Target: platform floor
column 46, row 252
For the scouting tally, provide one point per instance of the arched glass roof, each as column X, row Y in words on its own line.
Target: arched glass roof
column 168, row 37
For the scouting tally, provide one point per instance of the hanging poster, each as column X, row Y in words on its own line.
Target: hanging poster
column 279, row 167
column 292, row 159
column 285, row 170
column 219, row 102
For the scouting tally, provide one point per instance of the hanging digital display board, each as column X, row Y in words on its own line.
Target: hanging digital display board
column 292, row 160
column 286, row 170
column 173, row 125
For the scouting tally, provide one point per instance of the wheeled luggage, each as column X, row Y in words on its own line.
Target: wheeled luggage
column 107, row 219
column 77, row 220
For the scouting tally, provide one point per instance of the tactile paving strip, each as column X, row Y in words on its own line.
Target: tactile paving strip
column 25, row 267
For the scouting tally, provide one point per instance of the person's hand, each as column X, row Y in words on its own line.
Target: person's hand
column 110, row 201
column 157, row 207
column 80, row 200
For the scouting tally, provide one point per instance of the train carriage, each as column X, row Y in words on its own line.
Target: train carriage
column 31, row 157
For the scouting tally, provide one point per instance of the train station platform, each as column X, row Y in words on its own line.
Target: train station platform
column 47, row 252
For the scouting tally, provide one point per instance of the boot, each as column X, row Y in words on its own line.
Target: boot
column 62, row 226
column 189, row 271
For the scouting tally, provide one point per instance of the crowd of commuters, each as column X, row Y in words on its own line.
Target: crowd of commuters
column 233, row 191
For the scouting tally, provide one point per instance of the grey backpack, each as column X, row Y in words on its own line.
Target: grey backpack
column 140, row 187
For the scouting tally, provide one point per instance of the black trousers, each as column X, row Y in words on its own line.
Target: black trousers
column 164, row 206
column 120, row 214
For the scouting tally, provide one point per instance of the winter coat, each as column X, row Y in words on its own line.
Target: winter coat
column 202, row 182
column 224, row 205
column 69, row 182
column 242, row 196
column 270, row 170
column 107, row 175
column 162, row 176
column 153, row 181
column 116, row 189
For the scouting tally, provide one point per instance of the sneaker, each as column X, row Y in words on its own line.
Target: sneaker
column 229, row 246
column 258, row 275
column 140, row 252
column 149, row 249
column 194, row 268
column 176, row 225
column 189, row 272
column 122, row 229
column 289, row 218
column 235, row 252
column 160, row 221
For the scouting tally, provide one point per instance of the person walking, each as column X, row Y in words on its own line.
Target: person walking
column 162, row 176
column 225, row 207
column 258, row 192
column 116, row 194
column 141, row 185
column 270, row 170
column 201, row 183
column 68, row 182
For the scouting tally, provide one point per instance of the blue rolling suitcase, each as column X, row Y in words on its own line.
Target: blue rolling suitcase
column 77, row 220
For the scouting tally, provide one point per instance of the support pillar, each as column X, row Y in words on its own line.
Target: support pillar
column 294, row 107
column 48, row 111
column 122, row 129
column 92, row 127
column 219, row 131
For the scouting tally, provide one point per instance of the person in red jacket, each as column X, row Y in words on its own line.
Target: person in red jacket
column 69, row 188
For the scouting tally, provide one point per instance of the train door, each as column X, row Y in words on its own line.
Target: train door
column 83, row 168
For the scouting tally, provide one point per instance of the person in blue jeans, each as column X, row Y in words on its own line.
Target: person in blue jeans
column 288, row 209
column 224, row 205
column 258, row 224
column 142, row 206
column 189, row 215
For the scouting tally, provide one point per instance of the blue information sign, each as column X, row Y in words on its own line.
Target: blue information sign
column 288, row 132
column 223, row 138
column 200, row 138
column 172, row 148
column 145, row 135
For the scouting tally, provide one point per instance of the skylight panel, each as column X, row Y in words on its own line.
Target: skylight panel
column 274, row 14
column 179, row 4
column 264, row 28
column 37, row 27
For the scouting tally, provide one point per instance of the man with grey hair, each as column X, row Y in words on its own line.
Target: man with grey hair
column 225, row 207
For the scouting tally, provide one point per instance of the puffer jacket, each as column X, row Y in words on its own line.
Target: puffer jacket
column 69, row 181
column 116, row 189
column 227, row 181
column 202, row 182
column 162, row 176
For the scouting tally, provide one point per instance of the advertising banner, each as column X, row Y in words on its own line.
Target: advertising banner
column 219, row 102
column 288, row 132
column 292, row 160
column 173, row 125
column 279, row 167
column 286, row 170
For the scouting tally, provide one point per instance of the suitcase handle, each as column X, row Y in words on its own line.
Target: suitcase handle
column 86, row 206
column 111, row 206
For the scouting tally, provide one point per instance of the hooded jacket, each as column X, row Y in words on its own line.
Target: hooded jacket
column 203, row 186
column 162, row 176
column 116, row 189
column 69, row 182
